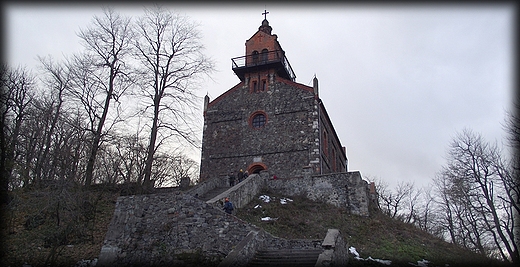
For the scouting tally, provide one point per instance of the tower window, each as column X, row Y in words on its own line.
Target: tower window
column 264, row 55
column 255, row 57
column 264, row 85
column 258, row 120
column 255, row 87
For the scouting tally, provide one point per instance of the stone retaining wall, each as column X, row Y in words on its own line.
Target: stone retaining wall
column 161, row 229
column 158, row 229
column 208, row 185
column 335, row 250
column 241, row 194
column 346, row 189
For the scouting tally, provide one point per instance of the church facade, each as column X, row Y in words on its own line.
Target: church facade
column 268, row 121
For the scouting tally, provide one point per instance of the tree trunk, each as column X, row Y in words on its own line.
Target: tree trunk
column 99, row 131
column 147, row 186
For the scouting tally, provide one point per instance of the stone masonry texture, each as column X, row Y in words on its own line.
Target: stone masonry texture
column 154, row 230
column 284, row 144
column 345, row 190
column 158, row 229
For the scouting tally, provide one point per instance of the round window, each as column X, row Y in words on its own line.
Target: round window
column 258, row 120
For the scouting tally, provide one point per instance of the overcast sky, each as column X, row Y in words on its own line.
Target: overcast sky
column 398, row 81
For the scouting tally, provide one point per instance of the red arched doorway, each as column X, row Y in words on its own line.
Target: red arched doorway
column 256, row 168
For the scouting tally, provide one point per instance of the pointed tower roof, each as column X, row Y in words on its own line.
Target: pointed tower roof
column 263, row 51
column 265, row 27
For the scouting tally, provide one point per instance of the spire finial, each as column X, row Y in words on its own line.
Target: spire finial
column 265, row 14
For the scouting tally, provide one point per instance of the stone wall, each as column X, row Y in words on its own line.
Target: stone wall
column 359, row 197
column 161, row 229
column 148, row 230
column 347, row 190
column 205, row 186
column 241, row 194
column 335, row 250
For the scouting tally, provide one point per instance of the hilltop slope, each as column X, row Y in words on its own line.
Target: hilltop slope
column 377, row 236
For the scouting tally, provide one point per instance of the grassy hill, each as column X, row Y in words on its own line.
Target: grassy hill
column 41, row 230
column 377, row 236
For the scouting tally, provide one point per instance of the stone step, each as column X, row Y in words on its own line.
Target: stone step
column 285, row 257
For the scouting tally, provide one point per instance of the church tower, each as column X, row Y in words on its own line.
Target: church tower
column 263, row 54
column 268, row 121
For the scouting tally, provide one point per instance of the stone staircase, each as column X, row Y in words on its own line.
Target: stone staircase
column 286, row 257
column 213, row 193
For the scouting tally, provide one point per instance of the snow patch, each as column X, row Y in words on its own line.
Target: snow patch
column 265, row 198
column 422, row 263
column 267, row 219
column 352, row 250
column 385, row 262
column 284, row 200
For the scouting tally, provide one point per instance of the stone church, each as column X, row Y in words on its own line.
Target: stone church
column 268, row 121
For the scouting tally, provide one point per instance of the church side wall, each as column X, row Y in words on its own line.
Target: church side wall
column 333, row 157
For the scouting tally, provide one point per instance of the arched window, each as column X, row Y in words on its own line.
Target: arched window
column 264, row 55
column 258, row 119
column 255, row 57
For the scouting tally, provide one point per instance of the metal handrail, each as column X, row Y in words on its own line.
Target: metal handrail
column 263, row 59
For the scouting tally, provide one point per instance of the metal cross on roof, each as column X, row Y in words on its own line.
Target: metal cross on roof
column 265, row 14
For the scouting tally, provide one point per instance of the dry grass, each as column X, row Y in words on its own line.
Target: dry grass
column 377, row 236
column 32, row 244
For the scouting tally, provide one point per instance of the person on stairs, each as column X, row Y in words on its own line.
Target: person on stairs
column 228, row 206
column 231, row 179
column 240, row 176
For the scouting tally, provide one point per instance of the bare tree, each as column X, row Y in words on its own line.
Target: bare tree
column 445, row 207
column 477, row 196
column 17, row 94
column 132, row 153
column 395, row 203
column 426, row 215
column 170, row 168
column 57, row 81
column 169, row 50
column 123, row 159
column 5, row 97
column 512, row 181
column 101, row 76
